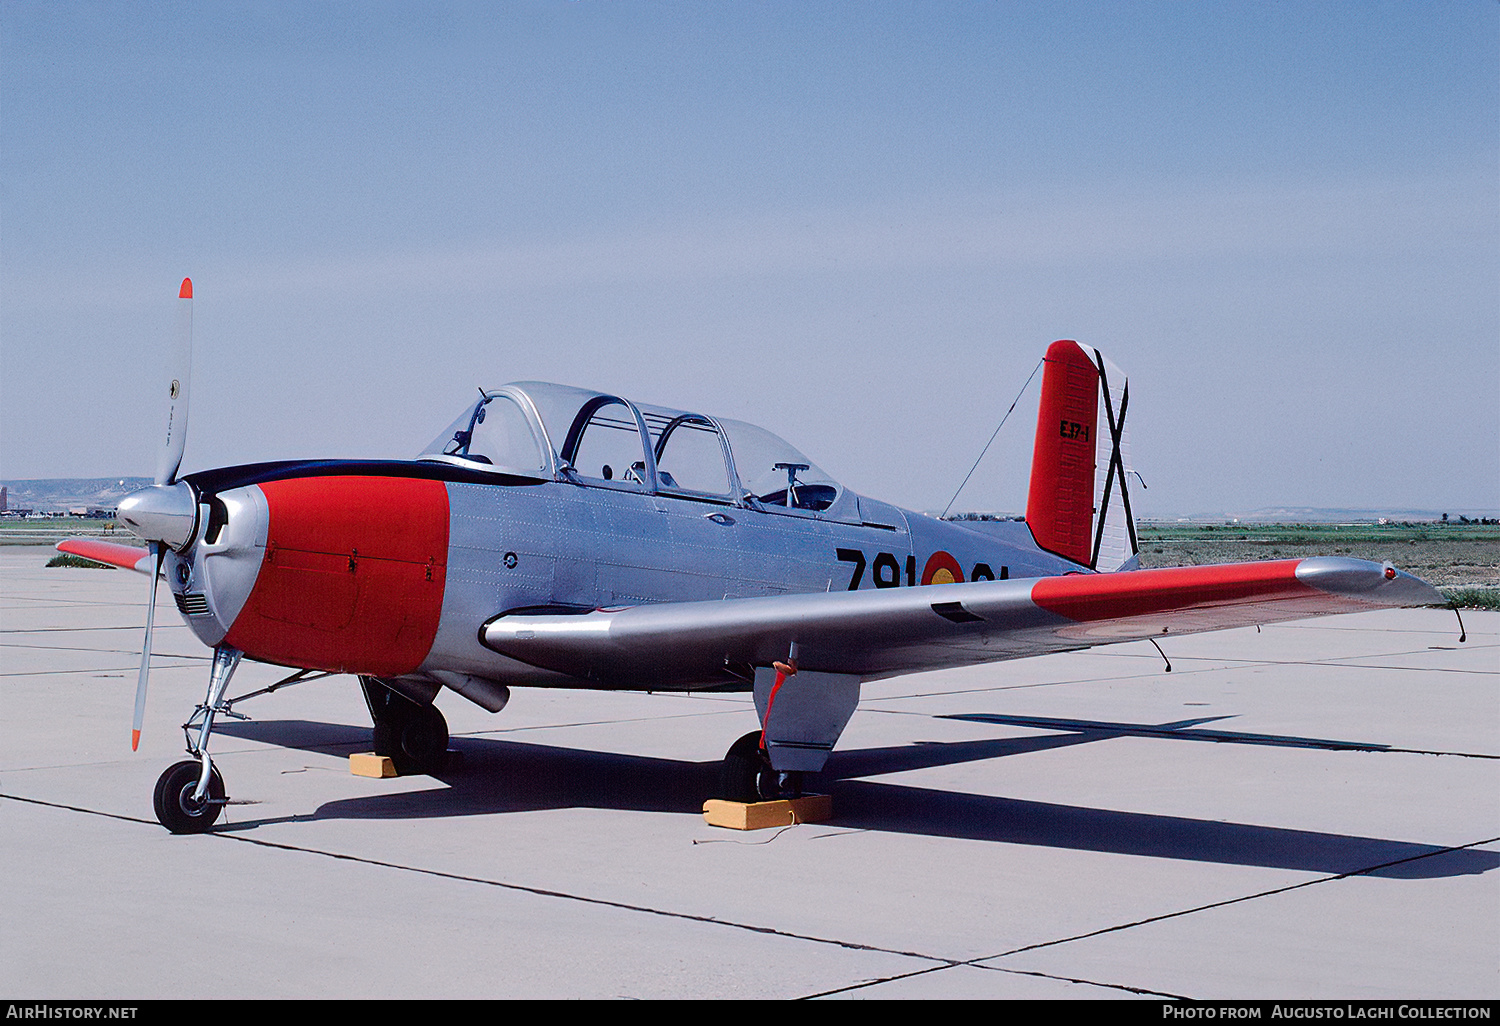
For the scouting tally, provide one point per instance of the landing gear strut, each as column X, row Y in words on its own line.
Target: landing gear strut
column 747, row 776
column 414, row 737
column 190, row 794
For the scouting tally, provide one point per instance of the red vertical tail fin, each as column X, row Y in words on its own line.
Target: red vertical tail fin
column 1078, row 506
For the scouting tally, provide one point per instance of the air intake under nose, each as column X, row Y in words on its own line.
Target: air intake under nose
column 192, row 604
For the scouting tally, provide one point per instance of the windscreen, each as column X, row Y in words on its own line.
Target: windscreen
column 494, row 432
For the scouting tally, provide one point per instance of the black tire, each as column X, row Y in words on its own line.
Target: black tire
column 173, row 800
column 417, row 743
column 424, row 739
column 746, row 775
column 385, row 738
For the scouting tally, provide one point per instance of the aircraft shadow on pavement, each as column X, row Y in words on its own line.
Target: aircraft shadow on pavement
column 501, row 776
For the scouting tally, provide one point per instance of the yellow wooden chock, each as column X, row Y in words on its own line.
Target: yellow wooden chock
column 368, row 764
column 811, row 808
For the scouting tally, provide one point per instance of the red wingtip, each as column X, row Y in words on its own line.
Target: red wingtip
column 187, row 289
column 135, row 735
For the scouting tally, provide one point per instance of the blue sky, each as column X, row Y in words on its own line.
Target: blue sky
column 858, row 224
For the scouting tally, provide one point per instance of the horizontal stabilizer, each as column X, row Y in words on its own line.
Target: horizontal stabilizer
column 127, row 557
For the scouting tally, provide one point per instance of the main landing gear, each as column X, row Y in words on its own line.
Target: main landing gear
column 414, row 736
column 746, row 774
column 801, row 715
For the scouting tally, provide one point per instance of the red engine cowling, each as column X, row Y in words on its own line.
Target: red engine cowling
column 352, row 577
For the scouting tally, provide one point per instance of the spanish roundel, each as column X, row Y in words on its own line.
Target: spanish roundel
column 942, row 568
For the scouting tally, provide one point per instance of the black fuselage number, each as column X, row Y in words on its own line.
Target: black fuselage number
column 886, row 569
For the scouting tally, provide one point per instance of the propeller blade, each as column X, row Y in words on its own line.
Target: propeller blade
column 156, row 512
column 158, row 553
column 169, row 456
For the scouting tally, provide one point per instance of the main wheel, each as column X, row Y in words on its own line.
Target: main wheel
column 746, row 775
column 416, row 743
column 173, row 800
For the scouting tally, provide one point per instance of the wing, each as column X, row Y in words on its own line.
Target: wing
column 129, row 557
column 885, row 632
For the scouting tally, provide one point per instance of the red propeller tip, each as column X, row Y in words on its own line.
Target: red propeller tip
column 135, row 740
column 187, row 289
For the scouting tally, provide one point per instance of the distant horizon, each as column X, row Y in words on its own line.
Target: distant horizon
column 1283, row 512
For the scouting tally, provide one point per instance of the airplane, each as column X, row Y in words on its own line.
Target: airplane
column 557, row 537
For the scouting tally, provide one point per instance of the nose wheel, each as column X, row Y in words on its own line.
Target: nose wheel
column 177, row 806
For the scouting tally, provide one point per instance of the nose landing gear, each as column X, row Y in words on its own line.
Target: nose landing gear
column 190, row 794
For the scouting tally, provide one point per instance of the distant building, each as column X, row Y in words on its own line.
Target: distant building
column 4, row 499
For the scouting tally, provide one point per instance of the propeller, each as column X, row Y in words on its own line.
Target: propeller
column 169, row 457
column 158, row 554
column 165, row 514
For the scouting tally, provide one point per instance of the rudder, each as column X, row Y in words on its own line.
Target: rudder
column 1078, row 505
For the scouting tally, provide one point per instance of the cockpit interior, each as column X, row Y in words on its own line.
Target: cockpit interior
column 544, row 431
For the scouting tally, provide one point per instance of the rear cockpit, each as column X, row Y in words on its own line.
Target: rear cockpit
column 551, row 432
